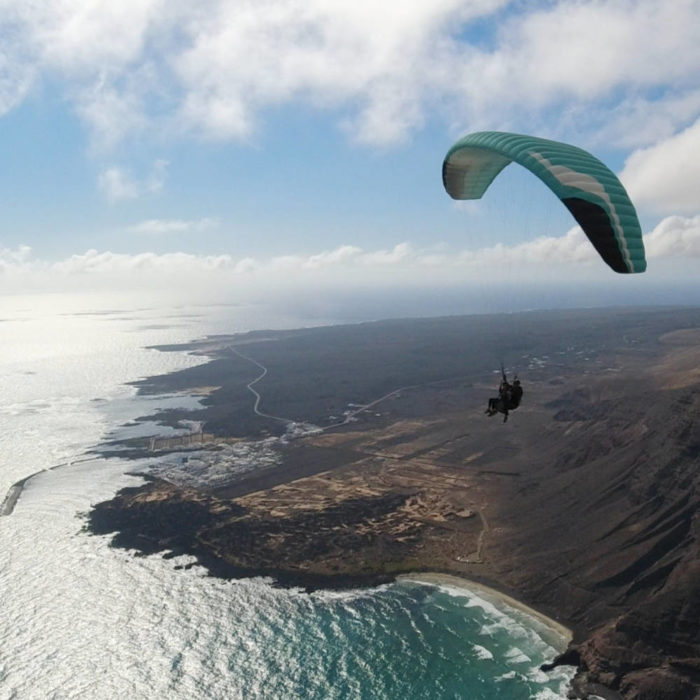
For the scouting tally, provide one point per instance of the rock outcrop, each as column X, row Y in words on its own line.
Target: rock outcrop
column 614, row 546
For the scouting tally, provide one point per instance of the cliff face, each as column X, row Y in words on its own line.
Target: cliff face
column 606, row 533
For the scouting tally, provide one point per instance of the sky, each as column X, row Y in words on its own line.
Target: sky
column 232, row 147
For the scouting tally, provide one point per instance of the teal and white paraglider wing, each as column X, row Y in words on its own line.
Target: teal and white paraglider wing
column 588, row 188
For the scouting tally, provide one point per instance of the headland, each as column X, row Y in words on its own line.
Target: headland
column 583, row 506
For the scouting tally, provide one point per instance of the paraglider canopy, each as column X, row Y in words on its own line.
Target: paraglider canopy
column 588, row 188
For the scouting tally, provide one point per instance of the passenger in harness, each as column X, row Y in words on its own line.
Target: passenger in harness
column 508, row 399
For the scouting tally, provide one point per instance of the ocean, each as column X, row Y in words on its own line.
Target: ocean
column 81, row 619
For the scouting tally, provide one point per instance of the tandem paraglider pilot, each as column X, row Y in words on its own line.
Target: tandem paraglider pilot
column 508, row 399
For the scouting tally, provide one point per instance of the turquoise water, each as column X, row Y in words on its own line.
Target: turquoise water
column 81, row 619
column 407, row 640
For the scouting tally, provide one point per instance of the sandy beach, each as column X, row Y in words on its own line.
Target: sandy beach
column 553, row 632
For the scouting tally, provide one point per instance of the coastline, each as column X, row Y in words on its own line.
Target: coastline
column 405, row 489
column 556, row 634
column 15, row 491
column 12, row 496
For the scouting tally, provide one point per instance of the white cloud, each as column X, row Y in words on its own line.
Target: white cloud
column 590, row 48
column 567, row 250
column 674, row 237
column 73, row 35
column 402, row 252
column 15, row 81
column 215, row 65
column 666, row 177
column 11, row 259
column 576, row 63
column 118, row 184
column 165, row 226
column 545, row 258
column 342, row 254
column 112, row 114
column 93, row 262
column 243, row 57
column 91, row 45
column 638, row 122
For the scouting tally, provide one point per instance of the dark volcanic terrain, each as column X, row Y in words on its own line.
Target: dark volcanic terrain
column 584, row 505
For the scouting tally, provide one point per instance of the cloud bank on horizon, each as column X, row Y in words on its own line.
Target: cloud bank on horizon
column 146, row 80
column 569, row 258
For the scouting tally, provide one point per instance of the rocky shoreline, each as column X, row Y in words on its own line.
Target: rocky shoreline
column 585, row 510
